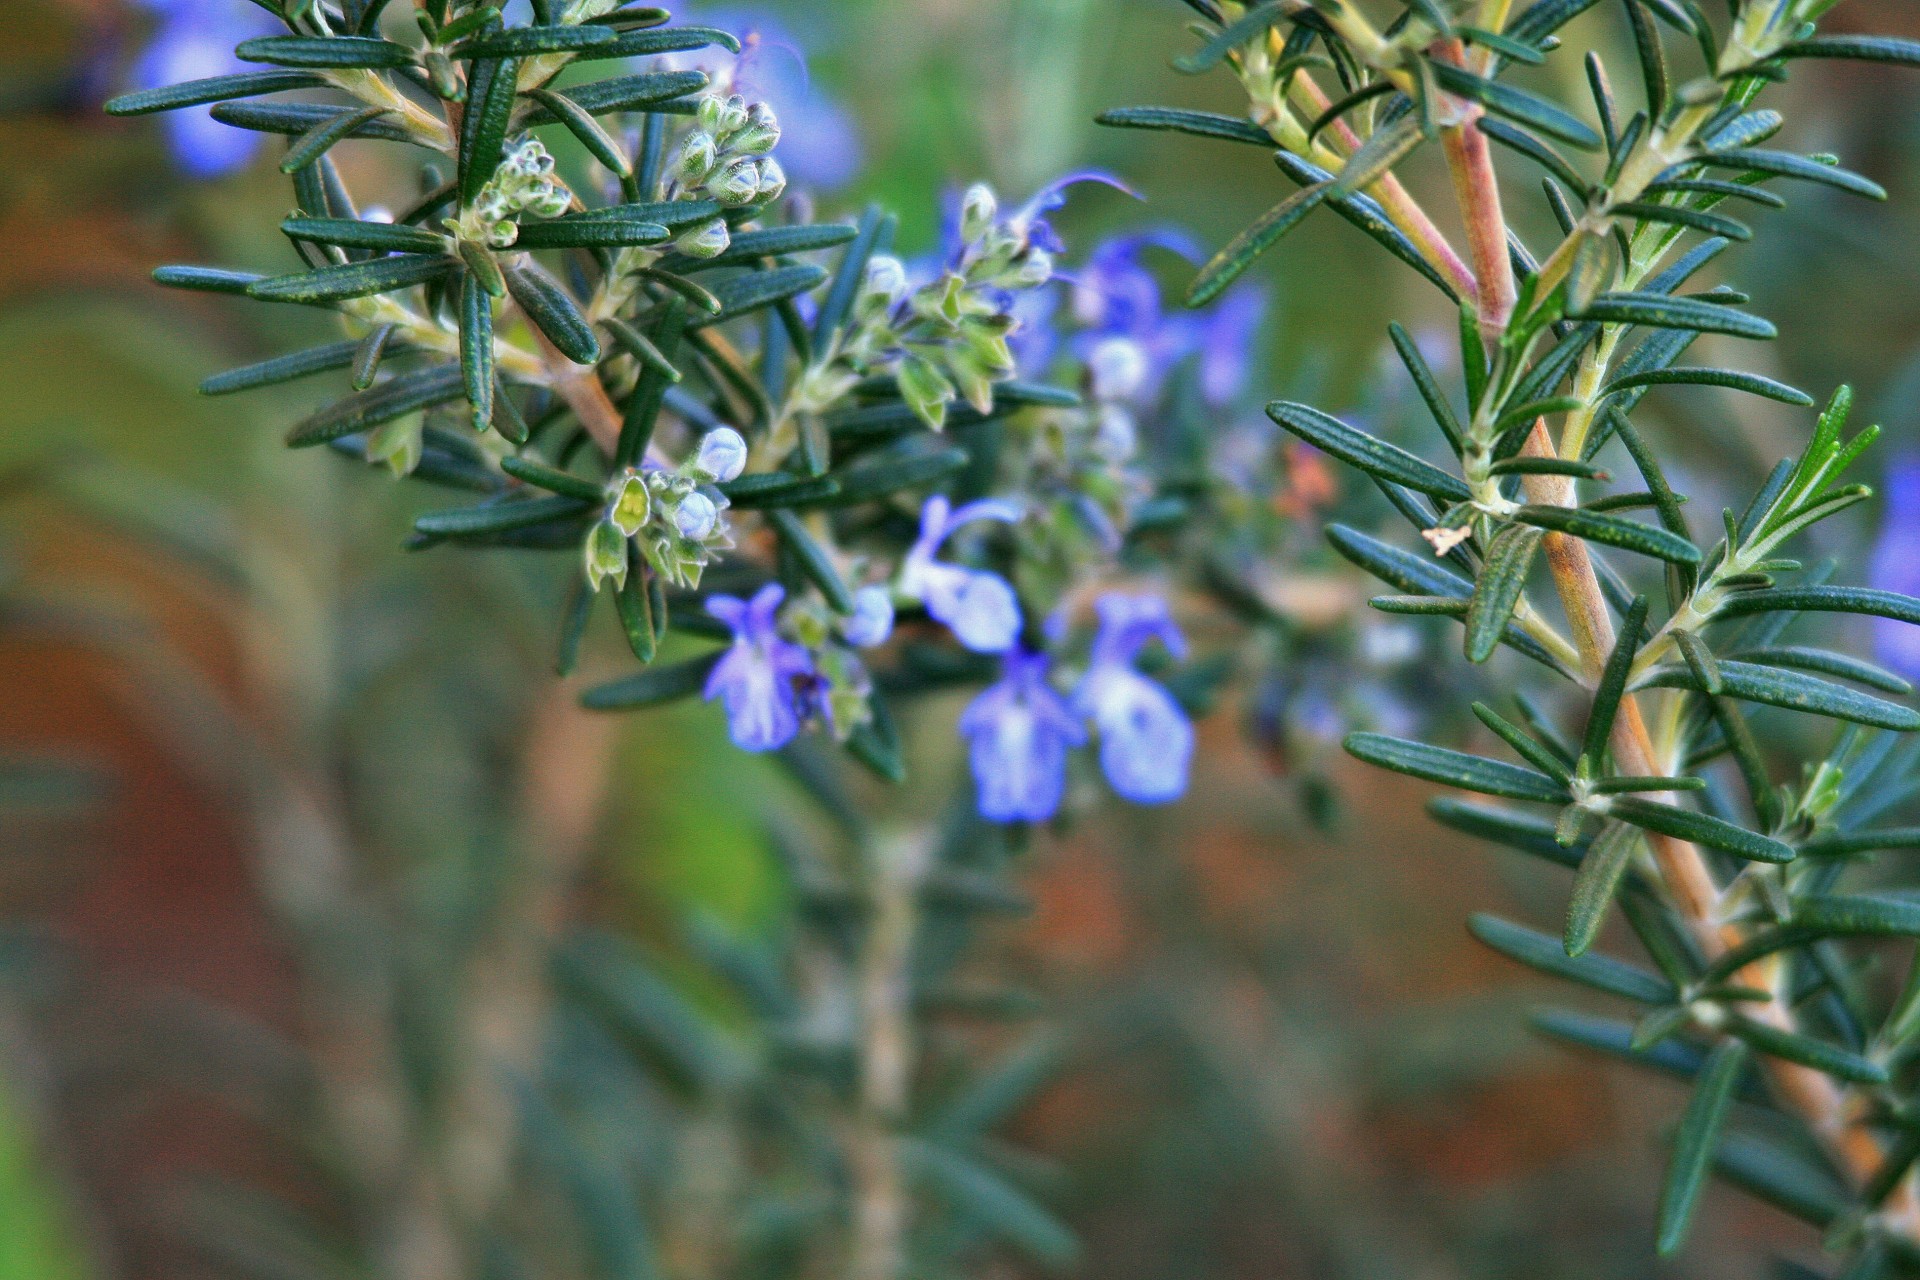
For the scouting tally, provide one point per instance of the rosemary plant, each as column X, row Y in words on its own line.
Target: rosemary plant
column 1658, row 795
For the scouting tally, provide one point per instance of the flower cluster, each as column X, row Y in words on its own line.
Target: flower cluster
column 1021, row 729
column 947, row 337
column 674, row 517
column 726, row 158
column 524, row 183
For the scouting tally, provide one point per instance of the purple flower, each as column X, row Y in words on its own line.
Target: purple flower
column 1895, row 565
column 1018, row 734
column 1118, row 301
column 755, row 677
column 820, row 141
column 1146, row 740
column 979, row 607
column 871, row 621
column 1227, row 335
column 1029, row 221
column 194, row 40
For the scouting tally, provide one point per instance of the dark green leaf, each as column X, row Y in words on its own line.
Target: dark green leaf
column 1517, row 105
column 1842, row 1064
column 1522, row 831
column 812, row 559
column 1795, row 691
column 352, row 279
column 1369, row 453
column 586, row 232
column 1860, row 48
column 1596, row 526
column 641, row 44
column 206, row 279
column 1700, row 828
column 1696, row 1141
column 553, row 311
column 1874, row 603
column 397, row 397
column 535, row 472
column 1539, row 951
column 303, row 117
column 497, row 517
column 1751, row 383
column 779, row 489
column 768, row 242
column 300, row 364
column 354, row 233
column 1421, row 575
column 1251, row 25
column 1455, row 768
column 1232, row 261
column 600, row 144
column 1595, row 885
column 527, row 42
column 337, row 52
column 1503, row 579
column 1662, row 311
column 1786, row 164
column 1613, row 684
column 491, row 91
column 1201, row 124
column 1824, row 661
column 752, row 290
column 623, row 93
column 1781, row 1179
column 195, row 93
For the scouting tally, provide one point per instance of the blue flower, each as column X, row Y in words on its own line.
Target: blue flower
column 755, row 677
column 871, row 621
column 820, row 141
column 1146, row 740
column 1029, row 221
column 979, row 607
column 1018, row 733
column 1117, row 300
column 1896, row 564
column 194, row 40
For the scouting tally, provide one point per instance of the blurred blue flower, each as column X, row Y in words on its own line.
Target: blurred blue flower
column 820, row 141
column 1018, row 733
column 755, row 677
column 871, row 621
column 1126, row 327
column 1146, row 740
column 979, row 607
column 1029, row 221
column 194, row 40
column 1896, row 564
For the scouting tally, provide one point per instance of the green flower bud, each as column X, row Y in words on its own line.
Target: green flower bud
column 632, row 504
column 549, row 200
column 925, row 389
column 398, row 444
column 882, row 287
column 773, row 181
column 737, row 183
column 698, row 154
column 761, row 133
column 606, row 555
column 708, row 239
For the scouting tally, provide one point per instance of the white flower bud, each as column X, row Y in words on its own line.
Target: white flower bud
column 884, row 283
column 871, row 621
column 978, row 208
column 722, row 455
column 761, row 132
column 697, row 517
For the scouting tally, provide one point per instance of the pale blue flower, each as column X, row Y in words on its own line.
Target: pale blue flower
column 1029, row 221
column 755, row 677
column 871, row 621
column 1895, row 565
column 722, row 455
column 1146, row 740
column 1018, row 734
column 195, row 40
column 979, row 607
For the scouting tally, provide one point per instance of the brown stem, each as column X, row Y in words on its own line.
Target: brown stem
column 880, row 1201
column 1834, row 1115
column 580, row 387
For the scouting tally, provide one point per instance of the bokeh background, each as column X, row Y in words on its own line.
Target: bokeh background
column 227, row 698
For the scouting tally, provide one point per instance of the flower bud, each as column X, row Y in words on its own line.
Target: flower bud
column 978, row 208
column 773, row 181
column 606, row 555
column 737, row 183
column 884, row 283
column 696, row 159
column 549, row 200
column 732, row 116
column 871, row 621
column 761, row 133
column 697, row 517
column 632, row 504
column 722, row 455
column 1034, row 269
column 925, row 389
column 708, row 239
